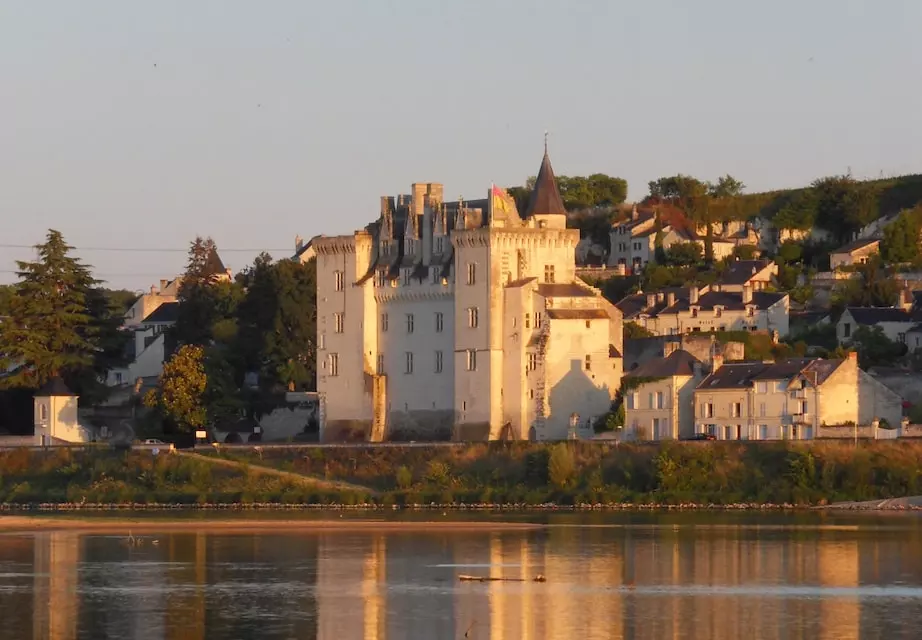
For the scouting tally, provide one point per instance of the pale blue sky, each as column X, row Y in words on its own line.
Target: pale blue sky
column 130, row 124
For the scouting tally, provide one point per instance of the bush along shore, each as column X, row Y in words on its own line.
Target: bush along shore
column 572, row 475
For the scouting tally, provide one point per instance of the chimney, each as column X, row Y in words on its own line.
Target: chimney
column 385, row 204
column 717, row 361
column 747, row 293
column 163, row 284
column 299, row 242
column 670, row 298
column 696, row 368
column 693, row 294
column 153, row 290
column 906, row 299
column 651, row 299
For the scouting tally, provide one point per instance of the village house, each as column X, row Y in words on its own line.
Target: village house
column 659, row 398
column 55, row 416
column 757, row 274
column 796, row 399
column 675, row 312
column 463, row 320
column 895, row 322
column 857, row 252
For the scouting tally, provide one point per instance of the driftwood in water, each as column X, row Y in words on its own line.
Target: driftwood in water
column 464, row 578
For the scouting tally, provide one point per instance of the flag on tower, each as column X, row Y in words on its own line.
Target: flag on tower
column 502, row 201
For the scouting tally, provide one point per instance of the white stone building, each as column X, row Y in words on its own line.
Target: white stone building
column 462, row 320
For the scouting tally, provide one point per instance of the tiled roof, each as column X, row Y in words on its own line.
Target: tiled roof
column 736, row 375
column 564, row 290
column 545, row 197
column 742, row 374
column 214, row 266
column 857, row 244
column 870, row 316
column 677, row 363
column 577, row 314
column 166, row 313
column 819, row 370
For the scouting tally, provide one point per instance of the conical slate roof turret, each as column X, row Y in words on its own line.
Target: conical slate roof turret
column 545, row 197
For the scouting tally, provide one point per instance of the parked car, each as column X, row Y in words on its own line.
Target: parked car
column 154, row 441
column 703, row 436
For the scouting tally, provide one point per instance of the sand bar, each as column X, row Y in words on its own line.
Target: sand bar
column 241, row 525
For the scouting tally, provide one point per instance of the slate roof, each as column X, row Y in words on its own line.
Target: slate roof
column 54, row 387
column 564, row 290
column 741, row 271
column 737, row 375
column 855, row 245
column 633, row 305
column 214, row 266
column 545, row 197
column 166, row 313
column 613, row 351
column 677, row 363
column 870, row 316
column 730, row 300
column 577, row 314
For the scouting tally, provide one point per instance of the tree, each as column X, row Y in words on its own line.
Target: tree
column 901, row 237
column 278, row 323
column 789, row 252
column 746, row 252
column 875, row 348
column 7, row 293
column 632, row 330
column 873, row 288
column 205, row 297
column 49, row 330
column 799, row 212
column 180, row 394
column 726, row 187
column 560, row 466
column 683, row 254
column 844, row 205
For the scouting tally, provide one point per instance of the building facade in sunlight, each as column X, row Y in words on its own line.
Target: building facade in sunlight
column 462, row 319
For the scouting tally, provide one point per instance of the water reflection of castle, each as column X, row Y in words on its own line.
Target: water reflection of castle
column 640, row 583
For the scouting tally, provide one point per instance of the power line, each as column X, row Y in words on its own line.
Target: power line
column 147, row 250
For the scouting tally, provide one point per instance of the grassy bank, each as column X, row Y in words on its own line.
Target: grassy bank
column 519, row 473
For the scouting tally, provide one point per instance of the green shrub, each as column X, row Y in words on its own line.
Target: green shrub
column 560, row 466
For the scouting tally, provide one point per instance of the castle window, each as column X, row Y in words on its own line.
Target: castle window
column 439, row 244
column 380, row 364
column 334, row 364
column 531, row 362
column 384, row 322
column 43, row 412
column 409, row 323
column 439, row 321
column 471, row 273
column 406, row 277
column 471, row 360
column 549, row 273
column 528, row 321
column 438, row 362
column 339, row 280
column 409, row 367
column 472, row 317
column 322, row 342
column 588, row 362
column 434, row 275
column 339, row 322
column 379, row 278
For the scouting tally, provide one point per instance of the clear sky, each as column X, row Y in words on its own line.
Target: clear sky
column 140, row 125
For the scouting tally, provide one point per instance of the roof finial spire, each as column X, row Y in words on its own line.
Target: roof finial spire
column 545, row 142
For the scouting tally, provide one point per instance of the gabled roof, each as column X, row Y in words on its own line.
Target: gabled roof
column 783, row 370
column 730, row 300
column 166, row 313
column 856, row 245
column 545, row 197
column 515, row 284
column 677, row 363
column 54, row 387
column 741, row 271
column 870, row 316
column 738, row 375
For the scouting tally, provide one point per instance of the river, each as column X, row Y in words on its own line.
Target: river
column 634, row 576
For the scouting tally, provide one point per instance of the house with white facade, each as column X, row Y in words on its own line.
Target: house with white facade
column 55, row 416
column 757, row 274
column 710, row 308
column 462, row 320
column 895, row 322
column 147, row 349
column 857, row 252
column 661, row 407
column 795, row 399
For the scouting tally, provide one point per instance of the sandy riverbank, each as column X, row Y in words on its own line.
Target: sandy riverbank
column 18, row 523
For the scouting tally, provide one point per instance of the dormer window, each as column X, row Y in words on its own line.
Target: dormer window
column 434, row 275
column 379, row 278
column 439, row 244
column 718, row 311
column 694, row 312
column 750, row 311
